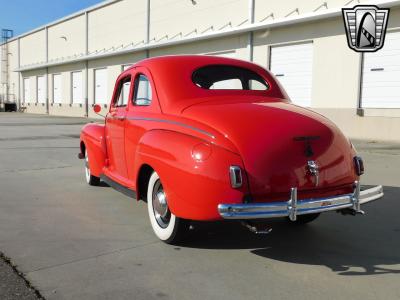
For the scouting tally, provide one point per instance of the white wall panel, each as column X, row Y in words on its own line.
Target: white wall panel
column 236, row 44
column 282, row 8
column 170, row 17
column 381, row 75
column 67, row 38
column 121, row 23
column 33, row 48
column 292, row 65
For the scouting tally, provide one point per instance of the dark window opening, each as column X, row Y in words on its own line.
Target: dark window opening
column 224, row 77
column 124, row 87
column 143, row 93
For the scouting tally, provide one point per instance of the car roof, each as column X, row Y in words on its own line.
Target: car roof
column 172, row 76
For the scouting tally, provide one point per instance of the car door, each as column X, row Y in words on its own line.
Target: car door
column 115, row 130
column 143, row 113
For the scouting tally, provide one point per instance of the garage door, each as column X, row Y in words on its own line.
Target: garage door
column 41, row 89
column 100, row 90
column 77, row 88
column 27, row 91
column 57, row 88
column 381, row 75
column 292, row 65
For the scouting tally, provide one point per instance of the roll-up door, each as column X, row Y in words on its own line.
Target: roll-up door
column 381, row 75
column 77, row 87
column 41, row 89
column 100, row 91
column 57, row 88
column 292, row 65
column 27, row 91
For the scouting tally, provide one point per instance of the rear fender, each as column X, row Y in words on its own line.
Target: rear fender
column 194, row 188
column 92, row 139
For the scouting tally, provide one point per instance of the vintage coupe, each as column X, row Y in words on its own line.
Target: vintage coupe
column 211, row 138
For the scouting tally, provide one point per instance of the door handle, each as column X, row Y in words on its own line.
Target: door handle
column 121, row 118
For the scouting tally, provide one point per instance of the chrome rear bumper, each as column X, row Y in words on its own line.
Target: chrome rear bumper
column 293, row 207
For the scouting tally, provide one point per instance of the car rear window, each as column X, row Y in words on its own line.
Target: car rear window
column 225, row 77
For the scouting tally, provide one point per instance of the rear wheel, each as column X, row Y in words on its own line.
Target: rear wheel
column 167, row 227
column 90, row 179
column 304, row 219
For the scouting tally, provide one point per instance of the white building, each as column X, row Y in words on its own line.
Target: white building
column 64, row 67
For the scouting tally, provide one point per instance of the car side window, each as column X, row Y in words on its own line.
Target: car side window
column 143, row 92
column 122, row 96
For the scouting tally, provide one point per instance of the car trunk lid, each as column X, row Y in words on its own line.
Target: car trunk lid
column 281, row 144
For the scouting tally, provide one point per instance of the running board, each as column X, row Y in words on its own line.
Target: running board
column 118, row 187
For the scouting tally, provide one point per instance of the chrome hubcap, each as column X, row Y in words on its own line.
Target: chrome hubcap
column 160, row 205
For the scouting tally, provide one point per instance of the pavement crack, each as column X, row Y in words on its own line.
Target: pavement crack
column 92, row 257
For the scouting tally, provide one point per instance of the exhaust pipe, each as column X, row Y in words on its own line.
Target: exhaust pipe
column 350, row 211
column 252, row 228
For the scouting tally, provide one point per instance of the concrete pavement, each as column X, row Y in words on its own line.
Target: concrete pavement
column 74, row 241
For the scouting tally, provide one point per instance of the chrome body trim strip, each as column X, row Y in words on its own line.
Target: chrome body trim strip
column 173, row 123
column 293, row 207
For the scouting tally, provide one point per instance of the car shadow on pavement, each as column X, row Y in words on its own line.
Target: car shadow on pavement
column 352, row 246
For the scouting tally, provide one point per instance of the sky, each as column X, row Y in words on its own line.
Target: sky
column 25, row 15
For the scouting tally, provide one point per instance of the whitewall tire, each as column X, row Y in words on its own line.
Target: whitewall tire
column 90, row 179
column 167, row 227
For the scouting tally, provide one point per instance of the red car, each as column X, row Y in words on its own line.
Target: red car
column 210, row 138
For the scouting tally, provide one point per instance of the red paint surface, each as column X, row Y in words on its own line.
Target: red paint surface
column 251, row 129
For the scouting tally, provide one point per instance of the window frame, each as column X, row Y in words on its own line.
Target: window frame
column 120, row 91
column 264, row 80
column 136, row 85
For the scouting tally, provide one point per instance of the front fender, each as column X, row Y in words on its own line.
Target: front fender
column 194, row 187
column 92, row 136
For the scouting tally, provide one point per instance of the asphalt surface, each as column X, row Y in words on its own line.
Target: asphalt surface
column 12, row 284
column 73, row 241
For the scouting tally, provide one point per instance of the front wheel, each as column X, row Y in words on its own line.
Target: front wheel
column 90, row 179
column 167, row 227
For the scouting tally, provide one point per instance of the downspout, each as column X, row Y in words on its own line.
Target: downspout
column 147, row 37
column 19, row 73
column 86, row 65
column 47, row 71
column 250, row 46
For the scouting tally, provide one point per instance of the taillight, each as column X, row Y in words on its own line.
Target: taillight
column 236, row 176
column 359, row 165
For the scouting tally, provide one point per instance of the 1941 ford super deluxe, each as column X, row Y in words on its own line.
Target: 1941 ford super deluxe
column 211, row 138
